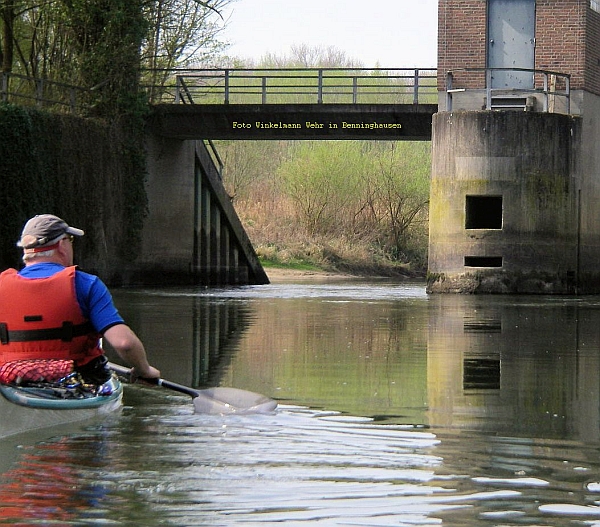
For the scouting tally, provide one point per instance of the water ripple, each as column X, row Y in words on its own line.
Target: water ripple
column 165, row 465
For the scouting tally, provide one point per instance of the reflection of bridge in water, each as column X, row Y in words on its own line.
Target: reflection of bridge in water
column 297, row 103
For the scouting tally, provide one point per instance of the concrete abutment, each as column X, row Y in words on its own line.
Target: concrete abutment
column 510, row 205
column 192, row 234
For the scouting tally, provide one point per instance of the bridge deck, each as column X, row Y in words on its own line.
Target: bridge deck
column 294, row 121
column 297, row 103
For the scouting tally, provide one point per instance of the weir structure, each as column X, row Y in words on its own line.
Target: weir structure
column 192, row 233
column 515, row 186
column 512, row 112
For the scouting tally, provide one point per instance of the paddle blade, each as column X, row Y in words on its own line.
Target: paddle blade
column 222, row 400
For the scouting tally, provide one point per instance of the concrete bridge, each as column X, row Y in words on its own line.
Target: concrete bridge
column 192, row 233
column 290, row 103
column 377, row 105
column 185, row 193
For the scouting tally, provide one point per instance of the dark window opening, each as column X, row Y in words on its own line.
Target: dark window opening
column 481, row 374
column 483, row 212
column 483, row 261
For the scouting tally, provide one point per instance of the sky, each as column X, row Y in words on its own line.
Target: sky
column 385, row 33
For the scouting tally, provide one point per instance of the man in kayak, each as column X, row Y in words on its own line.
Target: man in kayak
column 53, row 315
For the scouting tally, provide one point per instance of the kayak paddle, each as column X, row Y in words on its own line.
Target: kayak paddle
column 219, row 400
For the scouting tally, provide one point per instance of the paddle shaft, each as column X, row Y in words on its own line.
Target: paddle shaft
column 213, row 400
column 121, row 370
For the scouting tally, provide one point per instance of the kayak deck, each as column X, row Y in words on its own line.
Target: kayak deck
column 30, row 408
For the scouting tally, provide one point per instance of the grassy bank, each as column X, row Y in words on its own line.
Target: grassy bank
column 356, row 207
column 334, row 257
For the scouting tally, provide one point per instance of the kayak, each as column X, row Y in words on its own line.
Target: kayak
column 25, row 408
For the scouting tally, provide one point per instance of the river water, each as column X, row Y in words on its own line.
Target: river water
column 395, row 408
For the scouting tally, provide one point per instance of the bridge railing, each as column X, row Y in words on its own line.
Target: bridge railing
column 300, row 86
column 552, row 89
column 42, row 93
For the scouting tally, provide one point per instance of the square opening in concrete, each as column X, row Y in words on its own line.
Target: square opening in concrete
column 481, row 374
column 483, row 261
column 483, row 212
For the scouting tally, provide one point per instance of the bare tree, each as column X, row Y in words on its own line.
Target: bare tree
column 50, row 37
column 304, row 56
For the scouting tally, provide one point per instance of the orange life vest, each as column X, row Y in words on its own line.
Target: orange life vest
column 40, row 318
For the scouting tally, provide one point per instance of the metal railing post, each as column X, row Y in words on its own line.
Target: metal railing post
column 545, row 104
column 449, row 78
column 354, row 90
column 177, row 89
column 568, row 92
column 320, row 88
column 488, row 89
column 226, row 86
column 264, row 90
column 416, row 87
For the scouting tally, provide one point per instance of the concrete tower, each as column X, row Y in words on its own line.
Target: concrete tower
column 515, row 184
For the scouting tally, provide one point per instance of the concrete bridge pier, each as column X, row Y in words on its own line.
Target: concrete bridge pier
column 515, row 190
column 192, row 234
column 504, row 203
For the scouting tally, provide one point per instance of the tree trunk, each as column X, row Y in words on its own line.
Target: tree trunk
column 8, row 18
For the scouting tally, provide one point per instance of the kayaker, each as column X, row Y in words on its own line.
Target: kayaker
column 52, row 314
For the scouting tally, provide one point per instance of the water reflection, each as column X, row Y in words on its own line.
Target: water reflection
column 186, row 332
column 357, row 348
column 517, row 365
column 46, row 483
column 397, row 408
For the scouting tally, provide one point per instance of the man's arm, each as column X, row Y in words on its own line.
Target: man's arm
column 130, row 348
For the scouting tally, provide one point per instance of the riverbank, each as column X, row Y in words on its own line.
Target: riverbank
column 279, row 274
column 283, row 274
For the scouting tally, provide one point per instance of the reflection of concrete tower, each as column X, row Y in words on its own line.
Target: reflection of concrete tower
column 515, row 184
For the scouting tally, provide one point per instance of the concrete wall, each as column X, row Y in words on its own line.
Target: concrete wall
column 589, row 167
column 527, row 162
column 192, row 234
column 543, row 167
column 168, row 234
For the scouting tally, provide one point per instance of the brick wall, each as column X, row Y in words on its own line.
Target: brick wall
column 461, row 41
column 567, row 41
column 560, row 37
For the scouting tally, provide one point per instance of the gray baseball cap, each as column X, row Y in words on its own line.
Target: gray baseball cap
column 45, row 229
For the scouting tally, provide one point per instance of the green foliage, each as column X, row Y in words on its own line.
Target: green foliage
column 325, row 181
column 333, row 203
column 91, row 172
column 79, row 169
column 399, row 194
column 183, row 33
column 361, row 190
column 24, row 172
column 248, row 164
column 105, row 41
column 296, row 265
column 103, row 44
